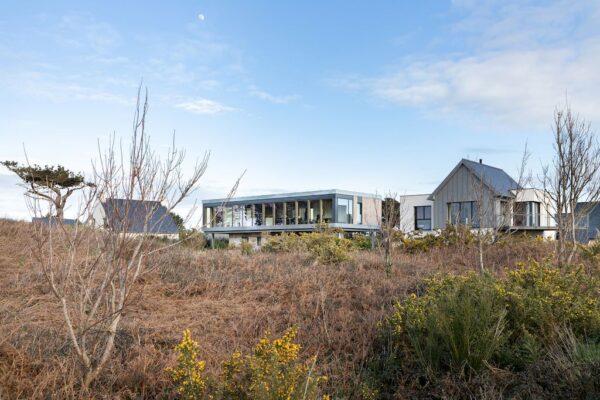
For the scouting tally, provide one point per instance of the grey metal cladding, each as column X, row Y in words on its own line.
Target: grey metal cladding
column 132, row 214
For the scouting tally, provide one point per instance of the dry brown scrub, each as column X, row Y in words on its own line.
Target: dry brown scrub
column 227, row 300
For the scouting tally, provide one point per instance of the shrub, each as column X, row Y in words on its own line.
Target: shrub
column 460, row 324
column 361, row 242
column 457, row 325
column 192, row 238
column 452, row 235
column 327, row 248
column 246, row 248
column 284, row 243
column 272, row 371
column 324, row 246
column 540, row 297
column 188, row 374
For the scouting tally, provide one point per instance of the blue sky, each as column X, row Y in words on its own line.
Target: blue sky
column 368, row 96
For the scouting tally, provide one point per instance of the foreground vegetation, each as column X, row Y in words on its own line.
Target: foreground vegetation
column 321, row 316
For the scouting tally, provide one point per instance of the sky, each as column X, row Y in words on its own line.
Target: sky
column 374, row 96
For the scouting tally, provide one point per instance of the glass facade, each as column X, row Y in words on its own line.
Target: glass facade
column 316, row 210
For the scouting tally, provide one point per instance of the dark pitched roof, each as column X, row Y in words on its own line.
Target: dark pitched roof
column 495, row 178
column 48, row 220
column 132, row 214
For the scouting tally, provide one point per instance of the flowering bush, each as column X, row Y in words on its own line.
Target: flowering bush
column 463, row 323
column 188, row 375
column 541, row 297
column 324, row 246
column 271, row 372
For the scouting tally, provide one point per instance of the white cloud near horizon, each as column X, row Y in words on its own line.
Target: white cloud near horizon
column 516, row 68
column 204, row 106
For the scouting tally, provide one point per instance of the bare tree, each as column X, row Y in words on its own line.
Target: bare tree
column 493, row 217
column 93, row 272
column 573, row 177
column 392, row 216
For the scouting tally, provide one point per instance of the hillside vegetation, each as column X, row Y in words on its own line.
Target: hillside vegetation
column 431, row 327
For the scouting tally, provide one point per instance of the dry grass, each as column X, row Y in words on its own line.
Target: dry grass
column 227, row 300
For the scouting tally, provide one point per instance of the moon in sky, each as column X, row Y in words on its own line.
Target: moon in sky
column 201, row 17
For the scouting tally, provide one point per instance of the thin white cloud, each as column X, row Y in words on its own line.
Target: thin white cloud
column 204, row 106
column 261, row 94
column 516, row 67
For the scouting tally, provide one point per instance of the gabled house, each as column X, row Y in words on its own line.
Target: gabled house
column 482, row 197
column 134, row 217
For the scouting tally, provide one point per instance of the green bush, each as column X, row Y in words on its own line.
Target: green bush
column 327, row 248
column 458, row 325
column 461, row 324
column 452, row 235
column 246, row 248
column 324, row 246
column 361, row 242
column 284, row 243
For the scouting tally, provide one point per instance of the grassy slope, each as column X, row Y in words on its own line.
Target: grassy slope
column 228, row 301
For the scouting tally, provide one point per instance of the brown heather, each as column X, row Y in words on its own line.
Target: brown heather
column 228, row 301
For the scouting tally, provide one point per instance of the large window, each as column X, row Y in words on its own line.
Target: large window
column 269, row 218
column 527, row 213
column 314, row 213
column 463, row 213
column 248, row 217
column 344, row 211
column 279, row 216
column 238, row 214
column 327, row 211
column 227, row 217
column 423, row 218
column 258, row 215
column 302, row 212
column 290, row 213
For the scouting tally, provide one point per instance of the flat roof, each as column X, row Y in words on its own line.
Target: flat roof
column 289, row 195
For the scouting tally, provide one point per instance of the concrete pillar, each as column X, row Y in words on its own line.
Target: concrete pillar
column 308, row 210
column 296, row 203
column 212, row 240
column 285, row 213
column 321, row 211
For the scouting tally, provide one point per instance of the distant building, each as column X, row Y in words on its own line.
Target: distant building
column 52, row 220
column 249, row 218
column 135, row 217
column 473, row 185
column 588, row 226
